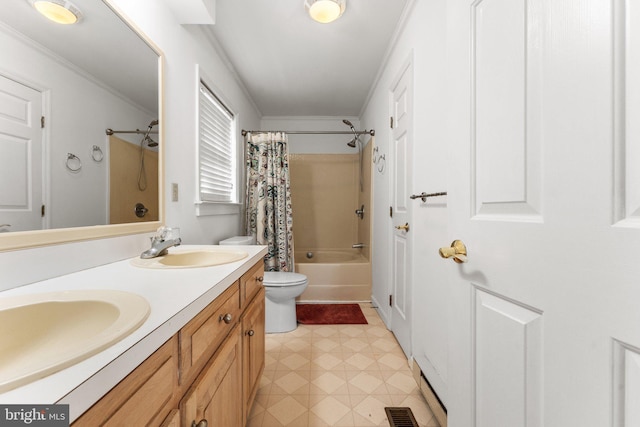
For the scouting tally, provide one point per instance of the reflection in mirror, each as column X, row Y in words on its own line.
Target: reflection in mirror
column 61, row 88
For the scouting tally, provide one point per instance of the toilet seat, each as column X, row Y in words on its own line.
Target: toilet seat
column 283, row 278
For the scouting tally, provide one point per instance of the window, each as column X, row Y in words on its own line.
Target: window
column 217, row 149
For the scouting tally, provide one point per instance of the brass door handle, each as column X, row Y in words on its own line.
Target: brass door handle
column 404, row 227
column 457, row 251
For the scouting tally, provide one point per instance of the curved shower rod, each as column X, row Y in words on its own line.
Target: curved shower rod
column 153, row 123
column 111, row 131
column 313, row 132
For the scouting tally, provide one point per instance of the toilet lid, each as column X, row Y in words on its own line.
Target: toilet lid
column 283, row 278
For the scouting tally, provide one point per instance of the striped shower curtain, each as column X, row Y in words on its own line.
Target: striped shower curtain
column 268, row 198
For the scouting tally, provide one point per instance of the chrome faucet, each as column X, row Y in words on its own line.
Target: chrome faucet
column 160, row 243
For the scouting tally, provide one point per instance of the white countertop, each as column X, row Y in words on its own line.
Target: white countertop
column 175, row 297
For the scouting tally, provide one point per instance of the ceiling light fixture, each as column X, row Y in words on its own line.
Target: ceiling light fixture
column 325, row 11
column 60, row 11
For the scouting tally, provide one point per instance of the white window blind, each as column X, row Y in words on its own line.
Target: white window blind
column 217, row 156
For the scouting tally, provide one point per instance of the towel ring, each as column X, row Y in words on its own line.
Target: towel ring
column 96, row 154
column 73, row 162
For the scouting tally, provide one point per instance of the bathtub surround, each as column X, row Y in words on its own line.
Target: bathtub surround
column 125, row 164
column 324, row 191
column 268, row 199
column 325, row 196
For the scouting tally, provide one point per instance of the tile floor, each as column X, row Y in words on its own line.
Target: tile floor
column 336, row 375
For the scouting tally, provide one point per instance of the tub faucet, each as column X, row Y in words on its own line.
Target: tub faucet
column 357, row 245
column 160, row 243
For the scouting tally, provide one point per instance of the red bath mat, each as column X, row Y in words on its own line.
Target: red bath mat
column 330, row 314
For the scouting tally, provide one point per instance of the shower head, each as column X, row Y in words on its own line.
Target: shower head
column 146, row 139
column 150, row 142
column 351, row 143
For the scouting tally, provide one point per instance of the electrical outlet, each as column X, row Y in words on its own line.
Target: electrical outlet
column 174, row 192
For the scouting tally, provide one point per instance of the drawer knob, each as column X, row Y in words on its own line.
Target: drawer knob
column 202, row 423
column 227, row 318
column 259, row 278
column 250, row 332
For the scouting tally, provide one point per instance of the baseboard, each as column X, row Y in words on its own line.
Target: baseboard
column 383, row 315
column 439, row 411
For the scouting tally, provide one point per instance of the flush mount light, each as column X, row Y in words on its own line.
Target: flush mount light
column 325, row 11
column 60, row 11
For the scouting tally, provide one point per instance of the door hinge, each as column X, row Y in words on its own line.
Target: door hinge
column 391, row 122
column 42, row 122
column 390, row 300
column 42, row 211
column 391, row 211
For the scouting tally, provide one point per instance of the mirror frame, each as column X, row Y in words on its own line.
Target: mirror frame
column 31, row 239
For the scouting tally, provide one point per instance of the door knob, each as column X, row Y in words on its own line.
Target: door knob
column 457, row 251
column 404, row 227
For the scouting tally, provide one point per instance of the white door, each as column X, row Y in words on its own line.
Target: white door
column 21, row 164
column 545, row 193
column 401, row 135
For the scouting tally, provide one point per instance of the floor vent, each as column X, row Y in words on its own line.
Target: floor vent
column 400, row 417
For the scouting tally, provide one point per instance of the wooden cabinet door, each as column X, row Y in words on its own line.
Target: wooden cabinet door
column 216, row 394
column 253, row 349
column 144, row 397
column 172, row 420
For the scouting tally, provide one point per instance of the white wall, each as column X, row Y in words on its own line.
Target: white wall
column 422, row 42
column 183, row 48
column 79, row 111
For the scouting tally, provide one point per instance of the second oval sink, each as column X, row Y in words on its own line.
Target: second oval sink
column 192, row 259
column 46, row 332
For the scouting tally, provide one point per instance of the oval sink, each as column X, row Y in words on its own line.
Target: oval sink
column 192, row 259
column 47, row 332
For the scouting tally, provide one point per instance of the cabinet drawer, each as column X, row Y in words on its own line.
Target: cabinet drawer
column 202, row 335
column 251, row 282
column 143, row 397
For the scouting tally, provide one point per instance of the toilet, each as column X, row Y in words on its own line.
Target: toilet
column 281, row 290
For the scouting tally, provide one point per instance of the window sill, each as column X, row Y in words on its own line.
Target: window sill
column 213, row 208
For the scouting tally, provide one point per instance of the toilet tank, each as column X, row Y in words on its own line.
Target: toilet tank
column 239, row 240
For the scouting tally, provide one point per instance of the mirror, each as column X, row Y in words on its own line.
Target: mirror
column 81, row 79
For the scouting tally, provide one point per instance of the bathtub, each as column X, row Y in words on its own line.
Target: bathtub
column 334, row 275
